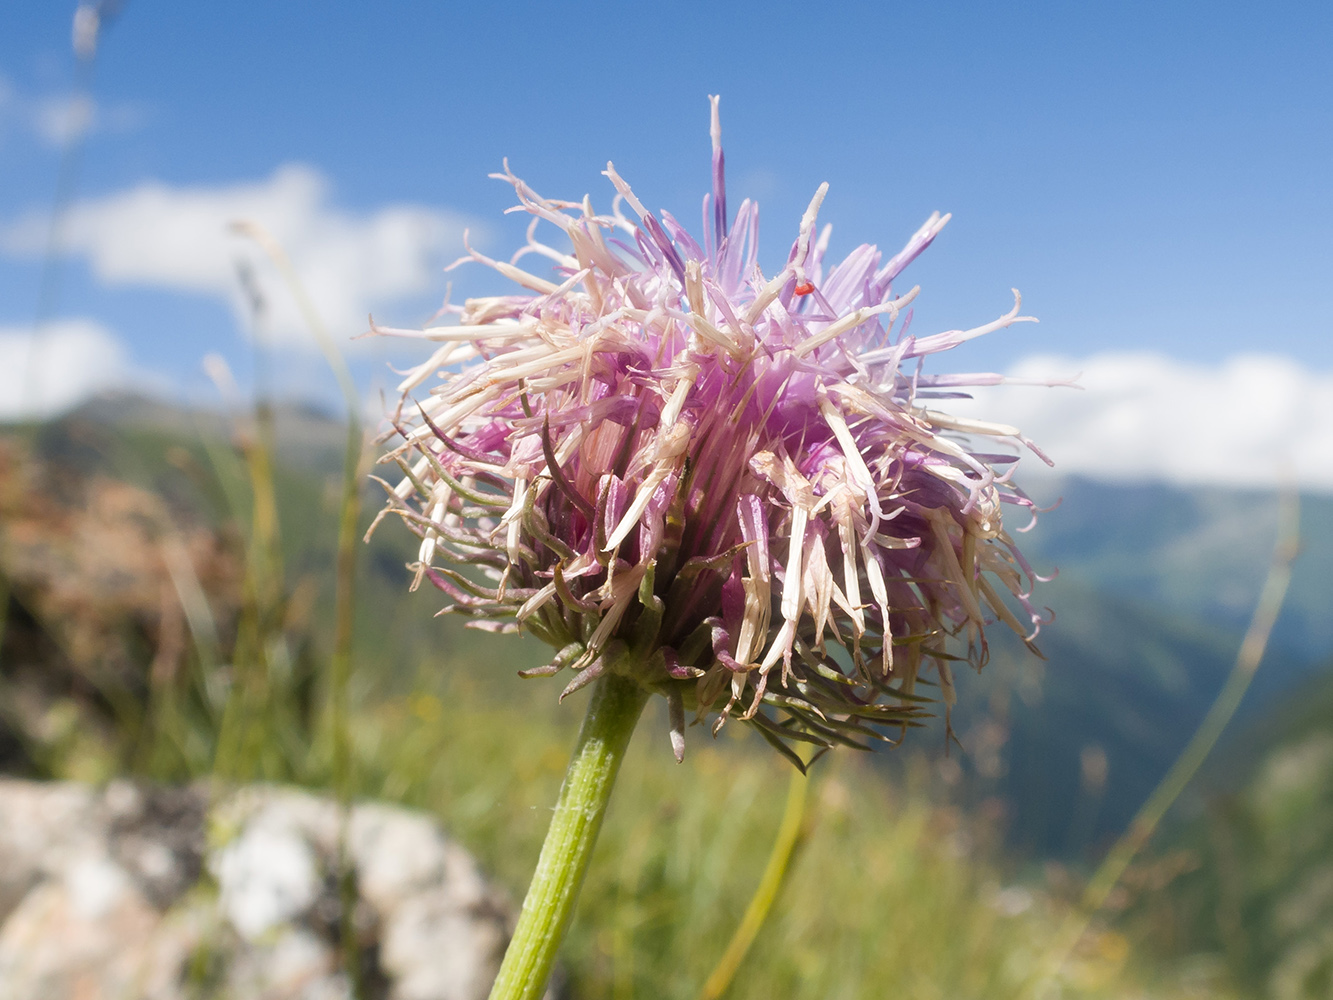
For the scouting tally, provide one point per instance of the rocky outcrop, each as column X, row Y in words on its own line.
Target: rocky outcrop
column 106, row 592
column 141, row 893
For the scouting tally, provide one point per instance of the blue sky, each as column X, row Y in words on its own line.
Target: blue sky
column 1153, row 177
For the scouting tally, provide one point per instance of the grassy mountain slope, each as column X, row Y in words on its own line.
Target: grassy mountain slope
column 1259, row 892
column 1076, row 743
column 1199, row 552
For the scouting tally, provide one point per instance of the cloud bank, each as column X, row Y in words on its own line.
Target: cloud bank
column 180, row 239
column 1252, row 420
column 72, row 360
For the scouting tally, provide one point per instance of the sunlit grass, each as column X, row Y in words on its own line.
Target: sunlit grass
column 890, row 893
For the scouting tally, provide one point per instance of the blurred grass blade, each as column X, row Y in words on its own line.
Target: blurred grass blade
column 193, row 601
column 242, row 748
column 345, row 599
column 1224, row 707
column 761, row 903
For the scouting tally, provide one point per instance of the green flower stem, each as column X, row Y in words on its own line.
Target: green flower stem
column 612, row 715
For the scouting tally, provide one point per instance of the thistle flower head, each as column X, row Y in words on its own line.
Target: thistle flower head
column 733, row 488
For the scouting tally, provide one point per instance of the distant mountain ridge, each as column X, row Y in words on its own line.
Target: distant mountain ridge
column 1201, row 552
column 1156, row 585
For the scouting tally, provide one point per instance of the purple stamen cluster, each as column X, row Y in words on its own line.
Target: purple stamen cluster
column 669, row 466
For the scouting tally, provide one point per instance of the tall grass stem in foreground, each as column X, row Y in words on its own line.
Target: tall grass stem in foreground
column 790, row 834
column 613, row 712
column 241, row 744
column 88, row 25
column 1228, row 700
column 345, row 598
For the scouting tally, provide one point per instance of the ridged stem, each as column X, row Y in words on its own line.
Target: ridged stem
column 612, row 715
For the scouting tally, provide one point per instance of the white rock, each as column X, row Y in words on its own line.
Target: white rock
column 267, row 876
column 95, row 885
column 96, row 901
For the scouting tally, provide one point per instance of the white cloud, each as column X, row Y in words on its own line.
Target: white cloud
column 1250, row 420
column 72, row 360
column 180, row 238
